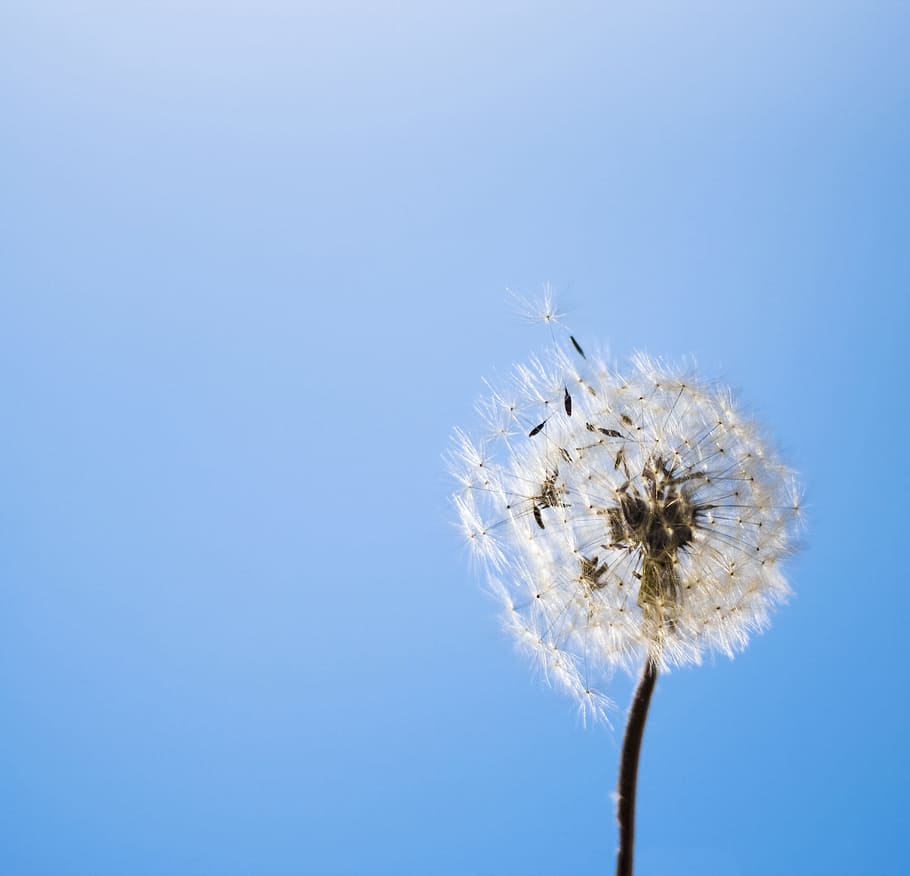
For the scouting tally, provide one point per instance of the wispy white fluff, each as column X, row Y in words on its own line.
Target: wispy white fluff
column 622, row 514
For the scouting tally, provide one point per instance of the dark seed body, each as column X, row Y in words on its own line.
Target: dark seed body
column 657, row 518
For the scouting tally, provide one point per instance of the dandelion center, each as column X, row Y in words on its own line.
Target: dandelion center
column 657, row 517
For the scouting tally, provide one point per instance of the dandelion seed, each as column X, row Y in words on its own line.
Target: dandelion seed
column 577, row 346
column 534, row 310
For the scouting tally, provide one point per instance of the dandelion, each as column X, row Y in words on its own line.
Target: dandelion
column 625, row 518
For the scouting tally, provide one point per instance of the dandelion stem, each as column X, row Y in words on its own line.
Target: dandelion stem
column 628, row 767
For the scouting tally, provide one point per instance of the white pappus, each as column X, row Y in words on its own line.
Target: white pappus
column 623, row 515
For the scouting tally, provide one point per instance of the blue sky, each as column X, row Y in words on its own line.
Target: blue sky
column 254, row 261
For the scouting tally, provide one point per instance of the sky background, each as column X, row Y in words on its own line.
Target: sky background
column 253, row 262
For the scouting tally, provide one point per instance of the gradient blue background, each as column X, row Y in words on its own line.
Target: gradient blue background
column 252, row 266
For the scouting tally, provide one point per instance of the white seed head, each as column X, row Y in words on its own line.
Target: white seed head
column 623, row 515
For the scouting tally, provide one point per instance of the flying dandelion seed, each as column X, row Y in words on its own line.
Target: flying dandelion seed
column 625, row 519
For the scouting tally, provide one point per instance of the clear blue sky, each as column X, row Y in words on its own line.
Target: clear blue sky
column 252, row 270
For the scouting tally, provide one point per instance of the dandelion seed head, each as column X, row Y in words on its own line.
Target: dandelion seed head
column 622, row 515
